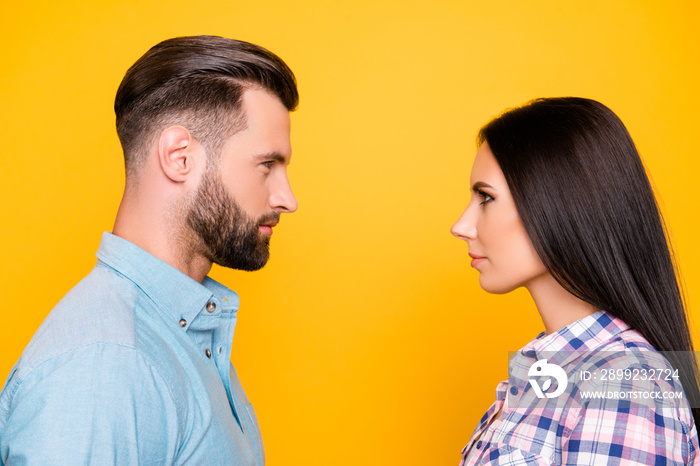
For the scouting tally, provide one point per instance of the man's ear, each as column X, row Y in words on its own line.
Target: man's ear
column 176, row 152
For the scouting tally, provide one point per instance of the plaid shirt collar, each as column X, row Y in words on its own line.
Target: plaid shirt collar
column 568, row 343
column 563, row 347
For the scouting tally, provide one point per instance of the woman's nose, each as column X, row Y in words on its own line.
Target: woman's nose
column 465, row 226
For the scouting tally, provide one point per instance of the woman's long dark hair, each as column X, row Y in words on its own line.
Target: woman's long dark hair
column 590, row 212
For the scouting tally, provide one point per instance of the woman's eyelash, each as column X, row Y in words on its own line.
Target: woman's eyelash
column 484, row 196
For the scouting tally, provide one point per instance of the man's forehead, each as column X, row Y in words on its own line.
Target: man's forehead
column 266, row 134
column 265, row 112
column 260, row 99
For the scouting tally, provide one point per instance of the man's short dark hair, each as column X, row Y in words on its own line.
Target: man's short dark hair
column 196, row 82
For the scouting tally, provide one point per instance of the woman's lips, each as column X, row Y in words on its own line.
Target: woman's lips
column 476, row 260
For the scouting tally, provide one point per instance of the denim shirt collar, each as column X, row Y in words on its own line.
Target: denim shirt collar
column 175, row 294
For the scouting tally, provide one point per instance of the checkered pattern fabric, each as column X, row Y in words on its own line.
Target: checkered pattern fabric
column 603, row 417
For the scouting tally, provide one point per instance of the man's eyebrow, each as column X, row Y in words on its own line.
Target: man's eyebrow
column 480, row 184
column 276, row 156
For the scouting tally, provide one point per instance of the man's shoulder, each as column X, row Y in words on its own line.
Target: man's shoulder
column 101, row 308
column 96, row 343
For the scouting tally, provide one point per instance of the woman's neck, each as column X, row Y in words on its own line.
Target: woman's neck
column 557, row 307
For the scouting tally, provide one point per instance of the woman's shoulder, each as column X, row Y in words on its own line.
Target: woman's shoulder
column 628, row 374
column 632, row 392
column 630, row 361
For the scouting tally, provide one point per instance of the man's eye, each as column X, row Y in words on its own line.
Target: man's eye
column 268, row 164
column 484, row 197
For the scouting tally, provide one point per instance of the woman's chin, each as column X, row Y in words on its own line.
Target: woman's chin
column 494, row 288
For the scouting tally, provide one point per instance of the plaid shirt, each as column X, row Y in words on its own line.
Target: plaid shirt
column 599, row 354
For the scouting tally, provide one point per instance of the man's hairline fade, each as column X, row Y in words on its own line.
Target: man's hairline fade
column 234, row 122
column 197, row 82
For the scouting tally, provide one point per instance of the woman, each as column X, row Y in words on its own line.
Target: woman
column 562, row 206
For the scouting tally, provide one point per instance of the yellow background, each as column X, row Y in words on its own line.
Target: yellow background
column 366, row 339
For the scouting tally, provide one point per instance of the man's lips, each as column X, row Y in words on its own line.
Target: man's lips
column 267, row 227
column 476, row 260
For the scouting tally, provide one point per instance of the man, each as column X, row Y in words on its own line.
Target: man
column 133, row 365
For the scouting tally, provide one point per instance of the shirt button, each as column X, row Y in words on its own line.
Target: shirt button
column 211, row 307
column 183, row 322
column 478, row 445
column 513, row 390
column 207, row 352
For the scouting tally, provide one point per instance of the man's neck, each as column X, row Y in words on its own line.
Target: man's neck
column 147, row 228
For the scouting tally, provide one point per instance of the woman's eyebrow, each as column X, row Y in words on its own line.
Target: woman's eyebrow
column 480, row 184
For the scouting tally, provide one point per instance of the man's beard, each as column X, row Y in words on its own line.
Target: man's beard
column 228, row 236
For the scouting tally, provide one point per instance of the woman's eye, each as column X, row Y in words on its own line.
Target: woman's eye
column 484, row 197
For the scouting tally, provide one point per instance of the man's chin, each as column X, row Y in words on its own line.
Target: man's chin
column 248, row 263
column 251, row 267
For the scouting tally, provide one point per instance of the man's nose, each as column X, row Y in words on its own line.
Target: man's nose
column 283, row 199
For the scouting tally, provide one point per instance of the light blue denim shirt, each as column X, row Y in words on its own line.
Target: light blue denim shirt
column 131, row 367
